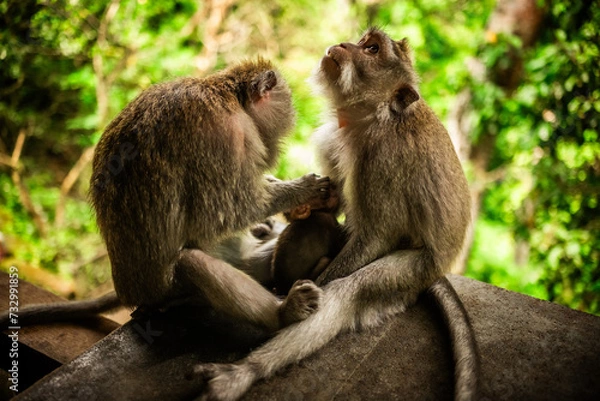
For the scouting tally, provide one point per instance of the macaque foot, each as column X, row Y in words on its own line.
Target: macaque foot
column 304, row 298
column 224, row 382
column 143, row 312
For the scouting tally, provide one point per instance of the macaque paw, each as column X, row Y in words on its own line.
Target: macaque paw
column 302, row 301
column 318, row 186
column 223, row 382
column 301, row 212
column 262, row 230
column 262, row 84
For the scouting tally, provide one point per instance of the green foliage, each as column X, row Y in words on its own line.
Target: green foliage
column 567, row 216
column 546, row 139
column 493, row 260
column 63, row 246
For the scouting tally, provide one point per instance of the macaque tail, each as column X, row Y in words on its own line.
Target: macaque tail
column 61, row 311
column 464, row 346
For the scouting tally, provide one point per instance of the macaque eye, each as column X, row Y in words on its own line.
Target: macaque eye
column 373, row 49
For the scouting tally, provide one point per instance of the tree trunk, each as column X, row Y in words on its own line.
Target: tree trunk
column 522, row 18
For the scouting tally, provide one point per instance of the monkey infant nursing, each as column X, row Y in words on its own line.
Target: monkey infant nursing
column 307, row 245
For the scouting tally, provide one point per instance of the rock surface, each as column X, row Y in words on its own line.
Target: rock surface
column 531, row 350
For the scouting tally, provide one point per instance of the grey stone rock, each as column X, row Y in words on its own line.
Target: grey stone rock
column 531, row 350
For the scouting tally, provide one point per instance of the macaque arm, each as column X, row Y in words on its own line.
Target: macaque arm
column 320, row 267
column 286, row 195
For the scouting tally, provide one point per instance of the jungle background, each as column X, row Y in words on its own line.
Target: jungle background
column 516, row 82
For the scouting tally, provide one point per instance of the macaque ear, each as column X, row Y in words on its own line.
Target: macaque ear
column 404, row 46
column 301, row 212
column 403, row 43
column 405, row 52
column 262, row 84
column 404, row 96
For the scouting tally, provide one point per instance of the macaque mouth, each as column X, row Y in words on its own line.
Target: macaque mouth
column 330, row 57
column 330, row 67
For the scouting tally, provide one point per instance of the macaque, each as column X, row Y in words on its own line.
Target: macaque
column 307, row 245
column 407, row 208
column 182, row 168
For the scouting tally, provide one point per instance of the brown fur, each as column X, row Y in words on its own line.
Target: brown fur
column 179, row 171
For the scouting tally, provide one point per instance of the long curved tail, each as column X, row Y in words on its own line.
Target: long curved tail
column 464, row 346
column 62, row 311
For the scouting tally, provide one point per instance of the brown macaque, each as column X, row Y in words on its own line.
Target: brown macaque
column 407, row 208
column 307, row 245
column 182, row 168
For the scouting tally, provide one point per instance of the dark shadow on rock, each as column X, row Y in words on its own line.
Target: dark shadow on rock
column 531, row 350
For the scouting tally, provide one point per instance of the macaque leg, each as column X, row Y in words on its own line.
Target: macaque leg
column 238, row 295
column 353, row 256
column 347, row 303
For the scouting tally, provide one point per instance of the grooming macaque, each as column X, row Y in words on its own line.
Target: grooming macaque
column 407, row 209
column 307, row 245
column 180, row 169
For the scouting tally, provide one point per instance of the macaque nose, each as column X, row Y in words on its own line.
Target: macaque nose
column 342, row 45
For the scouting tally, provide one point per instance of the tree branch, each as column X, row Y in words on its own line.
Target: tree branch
column 6, row 160
column 102, row 85
column 24, row 197
column 522, row 18
column 216, row 11
column 101, row 254
column 69, row 181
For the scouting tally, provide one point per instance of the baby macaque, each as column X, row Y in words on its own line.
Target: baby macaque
column 307, row 245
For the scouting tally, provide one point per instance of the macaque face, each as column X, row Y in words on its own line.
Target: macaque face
column 372, row 66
